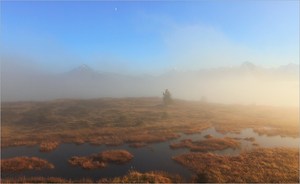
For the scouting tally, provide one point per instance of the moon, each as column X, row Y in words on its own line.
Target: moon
column 116, row 9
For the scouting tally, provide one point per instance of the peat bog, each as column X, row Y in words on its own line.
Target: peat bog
column 140, row 140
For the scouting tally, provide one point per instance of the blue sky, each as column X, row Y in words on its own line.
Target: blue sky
column 150, row 37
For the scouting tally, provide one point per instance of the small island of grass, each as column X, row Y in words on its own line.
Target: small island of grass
column 102, row 159
column 211, row 144
column 18, row 164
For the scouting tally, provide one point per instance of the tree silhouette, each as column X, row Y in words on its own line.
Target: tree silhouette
column 167, row 97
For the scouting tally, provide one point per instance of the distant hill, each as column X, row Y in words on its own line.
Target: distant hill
column 290, row 68
column 246, row 84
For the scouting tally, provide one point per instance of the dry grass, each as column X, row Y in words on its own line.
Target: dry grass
column 133, row 120
column 100, row 160
column 115, row 156
column 212, row 144
column 18, row 164
column 48, row 146
column 148, row 177
column 39, row 179
column 140, row 121
column 131, row 177
column 86, row 162
column 264, row 165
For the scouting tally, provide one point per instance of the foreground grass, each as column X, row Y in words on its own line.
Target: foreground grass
column 100, row 160
column 39, row 179
column 18, row 164
column 137, row 121
column 211, row 144
column 131, row 177
column 148, row 177
column 263, row 165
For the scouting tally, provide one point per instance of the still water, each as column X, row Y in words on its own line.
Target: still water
column 154, row 157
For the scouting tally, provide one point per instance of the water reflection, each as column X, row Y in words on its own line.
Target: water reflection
column 156, row 156
column 261, row 140
column 151, row 158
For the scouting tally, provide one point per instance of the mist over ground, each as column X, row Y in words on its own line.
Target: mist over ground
column 243, row 84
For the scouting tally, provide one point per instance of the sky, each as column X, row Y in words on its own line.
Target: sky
column 149, row 37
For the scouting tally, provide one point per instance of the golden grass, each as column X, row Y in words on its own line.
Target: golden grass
column 39, row 179
column 212, row 144
column 148, row 177
column 18, row 164
column 131, row 177
column 48, row 146
column 133, row 120
column 263, row 165
column 115, row 156
column 86, row 162
column 100, row 160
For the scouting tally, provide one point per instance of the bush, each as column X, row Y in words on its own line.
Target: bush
column 167, row 97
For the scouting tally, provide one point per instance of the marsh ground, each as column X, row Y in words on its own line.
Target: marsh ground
column 264, row 165
column 142, row 121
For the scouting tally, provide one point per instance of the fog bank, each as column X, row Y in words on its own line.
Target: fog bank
column 244, row 84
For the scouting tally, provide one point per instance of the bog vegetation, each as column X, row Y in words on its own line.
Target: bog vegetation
column 138, row 121
column 131, row 177
column 211, row 144
column 142, row 121
column 102, row 159
column 263, row 165
column 18, row 164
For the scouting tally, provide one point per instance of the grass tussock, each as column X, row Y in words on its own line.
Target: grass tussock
column 212, row 144
column 263, row 165
column 18, row 164
column 148, row 177
column 48, row 146
column 101, row 160
column 208, row 136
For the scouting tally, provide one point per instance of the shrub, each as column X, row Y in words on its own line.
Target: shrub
column 167, row 97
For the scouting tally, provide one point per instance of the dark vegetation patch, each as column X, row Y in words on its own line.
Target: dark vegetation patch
column 208, row 136
column 102, row 159
column 262, row 165
column 212, row 144
column 18, row 164
column 255, row 144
